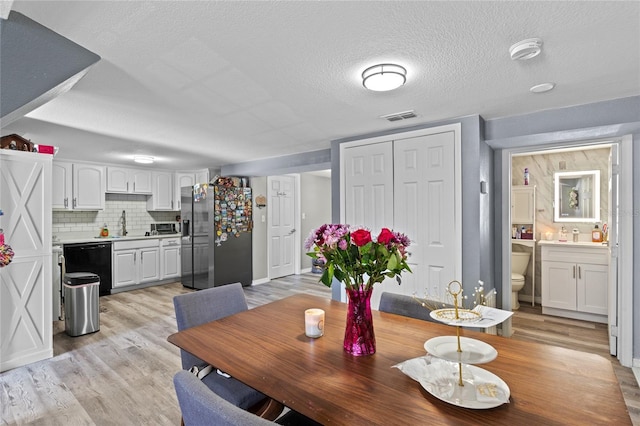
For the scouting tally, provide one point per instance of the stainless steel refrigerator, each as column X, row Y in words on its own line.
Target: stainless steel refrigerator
column 216, row 236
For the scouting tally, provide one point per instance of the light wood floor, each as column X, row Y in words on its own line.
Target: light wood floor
column 122, row 375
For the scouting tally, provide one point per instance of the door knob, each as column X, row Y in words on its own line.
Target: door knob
column 292, row 231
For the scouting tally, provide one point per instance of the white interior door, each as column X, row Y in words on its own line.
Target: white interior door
column 424, row 189
column 369, row 185
column 282, row 232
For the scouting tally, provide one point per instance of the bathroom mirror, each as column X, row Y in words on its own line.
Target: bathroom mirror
column 577, row 196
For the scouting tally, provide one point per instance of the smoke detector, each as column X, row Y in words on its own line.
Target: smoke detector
column 526, row 49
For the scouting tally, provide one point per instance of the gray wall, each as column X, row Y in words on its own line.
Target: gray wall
column 37, row 65
column 315, row 206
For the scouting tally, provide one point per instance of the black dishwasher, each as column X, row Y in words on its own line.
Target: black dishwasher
column 90, row 257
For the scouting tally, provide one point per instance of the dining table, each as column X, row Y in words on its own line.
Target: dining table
column 267, row 349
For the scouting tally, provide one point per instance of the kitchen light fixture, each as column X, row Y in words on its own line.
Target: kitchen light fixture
column 143, row 159
column 541, row 88
column 526, row 49
column 384, row 77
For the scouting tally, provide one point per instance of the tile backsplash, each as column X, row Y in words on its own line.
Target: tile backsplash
column 91, row 222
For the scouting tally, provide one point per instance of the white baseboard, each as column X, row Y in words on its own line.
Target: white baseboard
column 305, row 270
column 527, row 299
column 260, row 281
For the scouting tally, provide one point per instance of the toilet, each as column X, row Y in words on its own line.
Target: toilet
column 519, row 263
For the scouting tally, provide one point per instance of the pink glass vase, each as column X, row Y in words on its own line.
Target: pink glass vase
column 359, row 338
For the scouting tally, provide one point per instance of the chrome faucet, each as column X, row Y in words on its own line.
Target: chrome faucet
column 124, row 223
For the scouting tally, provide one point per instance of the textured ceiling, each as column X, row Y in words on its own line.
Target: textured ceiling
column 203, row 84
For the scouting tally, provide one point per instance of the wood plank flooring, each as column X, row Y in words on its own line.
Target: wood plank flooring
column 122, row 375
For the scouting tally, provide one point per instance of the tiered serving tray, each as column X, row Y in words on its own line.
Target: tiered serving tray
column 467, row 385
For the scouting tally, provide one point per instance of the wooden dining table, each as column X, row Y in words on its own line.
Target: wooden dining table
column 267, row 349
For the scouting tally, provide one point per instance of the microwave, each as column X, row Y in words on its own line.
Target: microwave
column 163, row 228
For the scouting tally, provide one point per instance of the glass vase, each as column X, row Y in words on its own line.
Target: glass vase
column 359, row 338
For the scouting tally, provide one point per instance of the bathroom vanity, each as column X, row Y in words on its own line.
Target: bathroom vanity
column 575, row 278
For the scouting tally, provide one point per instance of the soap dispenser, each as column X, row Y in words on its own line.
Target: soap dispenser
column 563, row 235
column 105, row 231
column 596, row 235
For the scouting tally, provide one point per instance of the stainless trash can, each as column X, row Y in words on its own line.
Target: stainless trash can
column 81, row 303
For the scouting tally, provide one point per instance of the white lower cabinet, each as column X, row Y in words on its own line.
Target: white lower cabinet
column 170, row 258
column 575, row 281
column 135, row 262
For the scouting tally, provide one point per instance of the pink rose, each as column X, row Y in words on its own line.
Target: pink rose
column 386, row 236
column 361, row 237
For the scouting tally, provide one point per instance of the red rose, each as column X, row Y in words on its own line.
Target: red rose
column 386, row 236
column 360, row 237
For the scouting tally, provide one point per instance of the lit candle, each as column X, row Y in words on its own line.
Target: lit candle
column 549, row 236
column 314, row 322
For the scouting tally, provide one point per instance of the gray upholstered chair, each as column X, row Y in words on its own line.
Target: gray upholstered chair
column 201, row 406
column 193, row 309
column 409, row 307
column 404, row 305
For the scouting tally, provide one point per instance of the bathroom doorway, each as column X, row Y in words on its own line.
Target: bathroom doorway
column 542, row 162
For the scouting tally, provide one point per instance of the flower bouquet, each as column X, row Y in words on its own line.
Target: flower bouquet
column 354, row 258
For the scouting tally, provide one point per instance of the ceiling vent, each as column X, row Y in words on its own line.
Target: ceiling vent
column 397, row 116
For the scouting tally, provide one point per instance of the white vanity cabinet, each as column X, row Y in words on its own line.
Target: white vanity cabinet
column 128, row 181
column 575, row 280
column 78, row 186
column 170, row 258
column 135, row 262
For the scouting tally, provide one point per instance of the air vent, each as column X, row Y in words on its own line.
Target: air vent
column 397, row 116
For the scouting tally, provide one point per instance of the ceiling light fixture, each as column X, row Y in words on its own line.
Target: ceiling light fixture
column 541, row 88
column 384, row 77
column 526, row 49
column 143, row 159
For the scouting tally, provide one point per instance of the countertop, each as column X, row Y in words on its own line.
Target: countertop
column 71, row 239
column 571, row 243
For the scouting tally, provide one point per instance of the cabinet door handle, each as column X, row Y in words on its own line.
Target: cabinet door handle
column 134, row 187
column 579, row 272
column 66, row 202
column 74, row 203
column 134, row 257
column 127, row 186
column 574, row 271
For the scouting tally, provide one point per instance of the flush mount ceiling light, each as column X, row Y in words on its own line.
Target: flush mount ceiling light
column 384, row 77
column 143, row 159
column 526, row 49
column 541, row 88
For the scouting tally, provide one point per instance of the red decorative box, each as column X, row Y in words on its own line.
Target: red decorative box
column 45, row 149
column 526, row 236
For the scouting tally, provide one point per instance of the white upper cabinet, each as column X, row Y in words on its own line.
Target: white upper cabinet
column 128, row 181
column 78, row 186
column 523, row 205
column 182, row 179
column 162, row 195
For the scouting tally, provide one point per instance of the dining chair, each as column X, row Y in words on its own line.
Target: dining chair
column 406, row 306
column 193, row 309
column 200, row 406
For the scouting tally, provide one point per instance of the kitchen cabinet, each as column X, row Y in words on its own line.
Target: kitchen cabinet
column 128, row 181
column 162, row 192
column 575, row 281
column 170, row 258
column 26, row 328
column 135, row 262
column 78, row 186
column 182, row 179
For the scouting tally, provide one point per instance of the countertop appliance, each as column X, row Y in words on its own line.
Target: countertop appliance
column 216, row 236
column 90, row 257
column 163, row 228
